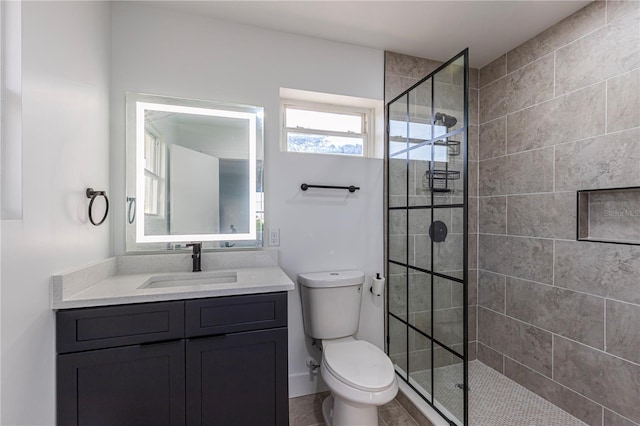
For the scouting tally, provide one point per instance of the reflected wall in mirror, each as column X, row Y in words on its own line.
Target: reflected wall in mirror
column 194, row 173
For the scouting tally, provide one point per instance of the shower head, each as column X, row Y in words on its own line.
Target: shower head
column 446, row 120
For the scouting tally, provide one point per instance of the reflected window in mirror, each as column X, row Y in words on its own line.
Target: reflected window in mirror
column 195, row 169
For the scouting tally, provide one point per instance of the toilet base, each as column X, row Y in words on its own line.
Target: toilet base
column 340, row 412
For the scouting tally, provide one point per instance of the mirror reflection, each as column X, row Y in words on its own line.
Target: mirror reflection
column 197, row 174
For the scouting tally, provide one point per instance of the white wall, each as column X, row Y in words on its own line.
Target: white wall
column 66, row 53
column 166, row 53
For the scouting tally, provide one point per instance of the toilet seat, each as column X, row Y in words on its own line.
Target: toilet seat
column 360, row 365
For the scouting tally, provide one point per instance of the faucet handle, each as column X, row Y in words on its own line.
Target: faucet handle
column 197, row 247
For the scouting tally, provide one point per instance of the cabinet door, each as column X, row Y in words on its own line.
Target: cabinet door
column 238, row 379
column 133, row 385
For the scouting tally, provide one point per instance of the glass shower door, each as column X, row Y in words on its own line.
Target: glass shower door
column 427, row 237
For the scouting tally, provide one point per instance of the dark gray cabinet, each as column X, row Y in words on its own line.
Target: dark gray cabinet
column 215, row 361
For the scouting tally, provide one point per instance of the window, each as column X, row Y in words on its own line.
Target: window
column 325, row 129
column 153, row 175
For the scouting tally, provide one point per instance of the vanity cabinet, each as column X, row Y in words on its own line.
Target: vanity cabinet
column 215, row 361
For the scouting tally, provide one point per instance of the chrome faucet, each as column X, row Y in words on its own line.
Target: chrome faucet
column 196, row 256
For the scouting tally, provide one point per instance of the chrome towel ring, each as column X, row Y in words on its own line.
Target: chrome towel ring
column 93, row 195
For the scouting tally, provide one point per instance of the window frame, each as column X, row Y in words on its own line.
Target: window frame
column 368, row 127
column 160, row 177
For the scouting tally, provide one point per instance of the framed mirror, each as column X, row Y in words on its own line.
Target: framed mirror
column 194, row 173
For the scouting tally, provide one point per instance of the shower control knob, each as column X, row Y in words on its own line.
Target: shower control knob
column 438, row 231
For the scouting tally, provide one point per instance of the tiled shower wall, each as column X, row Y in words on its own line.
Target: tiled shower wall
column 402, row 72
column 561, row 113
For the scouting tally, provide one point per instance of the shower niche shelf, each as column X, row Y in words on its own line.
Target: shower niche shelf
column 609, row 215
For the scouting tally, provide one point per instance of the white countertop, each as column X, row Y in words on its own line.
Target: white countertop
column 100, row 285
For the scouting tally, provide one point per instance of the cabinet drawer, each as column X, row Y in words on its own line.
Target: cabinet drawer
column 97, row 328
column 222, row 315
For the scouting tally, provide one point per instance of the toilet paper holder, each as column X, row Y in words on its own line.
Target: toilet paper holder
column 377, row 285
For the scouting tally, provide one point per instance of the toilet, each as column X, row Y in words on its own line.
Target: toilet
column 359, row 375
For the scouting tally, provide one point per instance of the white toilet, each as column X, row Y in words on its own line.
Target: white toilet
column 360, row 376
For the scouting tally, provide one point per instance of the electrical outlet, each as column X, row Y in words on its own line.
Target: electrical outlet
column 274, row 237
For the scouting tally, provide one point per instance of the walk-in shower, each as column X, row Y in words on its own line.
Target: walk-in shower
column 427, row 237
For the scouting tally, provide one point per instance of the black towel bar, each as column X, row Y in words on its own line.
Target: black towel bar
column 351, row 188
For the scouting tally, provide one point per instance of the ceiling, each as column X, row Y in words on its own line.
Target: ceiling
column 429, row 29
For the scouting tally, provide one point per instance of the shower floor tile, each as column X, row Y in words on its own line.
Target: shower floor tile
column 495, row 400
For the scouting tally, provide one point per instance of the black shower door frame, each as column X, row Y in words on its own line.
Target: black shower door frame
column 464, row 357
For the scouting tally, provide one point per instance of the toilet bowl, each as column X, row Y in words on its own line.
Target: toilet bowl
column 361, row 378
column 359, row 375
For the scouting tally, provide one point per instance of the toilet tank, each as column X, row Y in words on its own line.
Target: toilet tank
column 331, row 303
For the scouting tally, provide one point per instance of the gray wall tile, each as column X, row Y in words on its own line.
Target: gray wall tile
column 527, row 258
column 600, row 377
column 474, row 103
column 608, row 270
column 471, row 319
column 448, row 325
column 530, row 171
column 397, row 294
column 473, row 107
column 493, row 139
column 394, row 85
column 493, row 215
column 521, row 173
column 531, row 84
column 490, row 357
column 551, row 215
column 592, row 59
column 576, row 116
column 572, row 402
column 623, row 101
column 569, row 29
column 616, row 9
column 409, row 66
column 473, row 215
column 491, row 291
column 472, row 286
column 593, row 164
column 623, row 331
column 574, row 315
column 473, row 178
column 493, row 71
column 473, row 251
column 473, row 351
column 492, row 173
column 613, row 419
column 474, row 132
column 520, row 89
column 524, row 343
column 473, row 78
column 398, row 222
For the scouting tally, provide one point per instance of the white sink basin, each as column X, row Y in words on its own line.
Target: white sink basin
column 191, row 279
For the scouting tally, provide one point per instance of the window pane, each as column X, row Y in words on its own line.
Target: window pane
column 151, row 200
column 335, row 122
column 324, row 144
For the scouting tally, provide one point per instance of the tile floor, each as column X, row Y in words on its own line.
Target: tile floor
column 307, row 411
column 494, row 400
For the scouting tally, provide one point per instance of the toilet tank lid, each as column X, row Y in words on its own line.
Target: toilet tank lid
column 331, row 279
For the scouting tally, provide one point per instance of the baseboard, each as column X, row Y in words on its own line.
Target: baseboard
column 304, row 384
